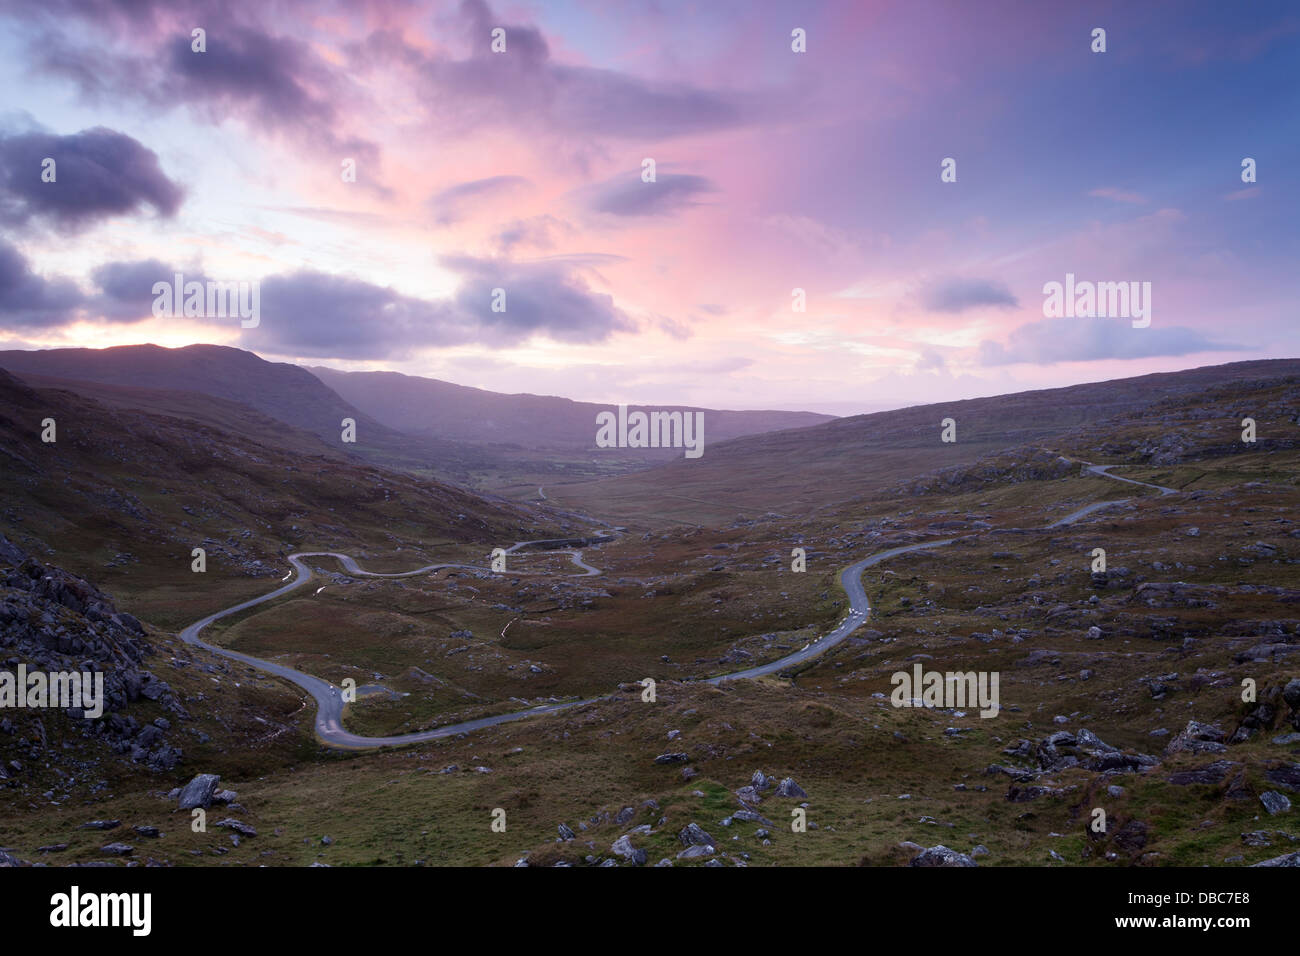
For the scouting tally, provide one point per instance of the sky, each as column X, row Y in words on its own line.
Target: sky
column 775, row 169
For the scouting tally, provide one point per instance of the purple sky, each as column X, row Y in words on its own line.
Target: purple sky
column 775, row 170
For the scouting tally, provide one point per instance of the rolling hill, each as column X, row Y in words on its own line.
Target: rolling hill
column 428, row 406
column 803, row 470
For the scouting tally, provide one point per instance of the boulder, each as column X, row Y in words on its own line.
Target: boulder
column 198, row 792
column 788, row 788
column 623, row 847
column 672, row 758
column 695, row 852
column 694, row 835
column 238, row 826
column 1291, row 694
column 942, row 856
column 1274, row 802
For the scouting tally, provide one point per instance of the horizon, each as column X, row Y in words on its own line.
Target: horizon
column 781, row 178
column 306, row 366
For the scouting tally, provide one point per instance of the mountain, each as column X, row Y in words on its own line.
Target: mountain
column 803, row 470
column 124, row 493
column 434, row 429
column 428, row 406
column 280, row 390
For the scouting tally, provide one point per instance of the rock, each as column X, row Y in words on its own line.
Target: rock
column 788, row 788
column 100, row 825
column 225, row 796
column 1209, row 774
column 942, row 856
column 566, row 833
column 1291, row 694
column 1265, row 653
column 1197, row 738
column 760, row 781
column 672, row 758
column 146, row 831
column 624, row 815
column 1274, row 802
column 327, row 840
column 117, row 849
column 1025, row 794
column 1094, row 633
column 694, row 835
column 1287, row 777
column 198, row 792
column 1132, row 836
column 623, row 847
column 749, row 816
column 695, row 852
column 238, row 826
column 1288, row 859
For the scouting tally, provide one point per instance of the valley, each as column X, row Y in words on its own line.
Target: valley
column 522, row 689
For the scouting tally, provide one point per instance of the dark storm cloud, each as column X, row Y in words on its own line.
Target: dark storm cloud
column 547, row 297
column 327, row 316
column 1090, row 339
column 274, row 82
column 958, row 295
column 525, row 87
column 627, row 195
column 28, row 300
column 99, row 173
column 126, row 288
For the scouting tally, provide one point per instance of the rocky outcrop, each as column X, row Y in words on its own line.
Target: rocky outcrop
column 53, row 621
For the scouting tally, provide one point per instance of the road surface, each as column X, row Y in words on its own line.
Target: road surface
column 329, row 699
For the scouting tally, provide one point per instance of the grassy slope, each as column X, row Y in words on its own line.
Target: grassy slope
column 854, row 754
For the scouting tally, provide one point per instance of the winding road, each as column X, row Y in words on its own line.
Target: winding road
column 329, row 699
